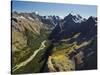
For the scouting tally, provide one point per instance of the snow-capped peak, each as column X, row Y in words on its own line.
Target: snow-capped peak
column 36, row 12
column 73, row 13
column 76, row 17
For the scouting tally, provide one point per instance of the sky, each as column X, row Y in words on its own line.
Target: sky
column 54, row 8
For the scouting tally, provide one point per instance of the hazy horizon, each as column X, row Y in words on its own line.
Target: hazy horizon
column 58, row 9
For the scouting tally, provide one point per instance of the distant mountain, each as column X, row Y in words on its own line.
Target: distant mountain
column 68, row 27
column 51, row 21
column 73, row 18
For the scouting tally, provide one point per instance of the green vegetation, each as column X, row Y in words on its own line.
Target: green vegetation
column 33, row 43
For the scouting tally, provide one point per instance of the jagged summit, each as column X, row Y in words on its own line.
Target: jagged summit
column 92, row 18
column 73, row 13
column 75, row 18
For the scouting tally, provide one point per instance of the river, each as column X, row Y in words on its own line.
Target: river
column 42, row 46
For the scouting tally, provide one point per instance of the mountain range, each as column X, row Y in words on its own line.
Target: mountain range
column 52, row 44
